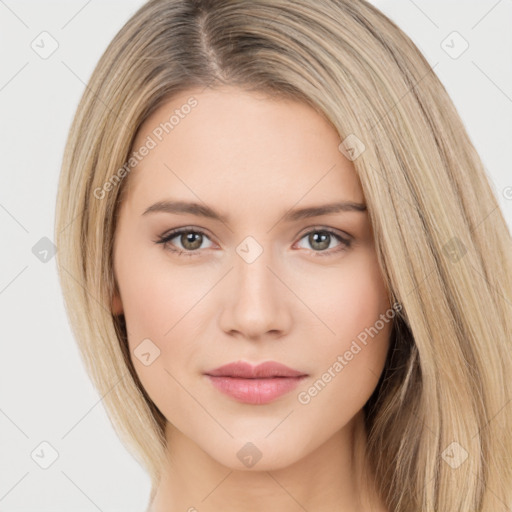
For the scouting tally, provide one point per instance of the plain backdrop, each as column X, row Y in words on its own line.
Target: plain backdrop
column 45, row 395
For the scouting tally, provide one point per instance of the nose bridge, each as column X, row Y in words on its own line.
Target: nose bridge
column 256, row 304
column 252, row 273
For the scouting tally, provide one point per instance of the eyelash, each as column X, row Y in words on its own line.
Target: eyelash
column 166, row 238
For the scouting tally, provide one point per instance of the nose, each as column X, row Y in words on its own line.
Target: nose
column 257, row 303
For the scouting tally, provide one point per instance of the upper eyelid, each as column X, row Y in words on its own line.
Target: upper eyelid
column 178, row 231
column 334, row 231
column 193, row 229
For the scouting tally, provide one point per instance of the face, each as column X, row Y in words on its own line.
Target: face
column 254, row 273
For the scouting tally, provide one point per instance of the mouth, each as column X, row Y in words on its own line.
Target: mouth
column 256, row 385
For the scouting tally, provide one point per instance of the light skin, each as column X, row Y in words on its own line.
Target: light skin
column 301, row 302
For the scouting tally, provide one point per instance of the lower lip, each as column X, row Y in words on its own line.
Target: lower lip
column 255, row 391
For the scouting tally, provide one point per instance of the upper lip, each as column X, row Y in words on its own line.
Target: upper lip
column 245, row 370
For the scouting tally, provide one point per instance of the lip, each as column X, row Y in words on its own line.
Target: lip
column 255, row 385
column 245, row 370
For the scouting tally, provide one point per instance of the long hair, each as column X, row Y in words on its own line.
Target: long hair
column 440, row 419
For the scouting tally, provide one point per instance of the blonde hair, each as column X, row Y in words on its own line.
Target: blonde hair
column 441, row 240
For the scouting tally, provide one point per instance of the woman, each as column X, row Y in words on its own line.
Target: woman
column 282, row 269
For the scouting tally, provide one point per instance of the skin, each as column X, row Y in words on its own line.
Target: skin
column 301, row 303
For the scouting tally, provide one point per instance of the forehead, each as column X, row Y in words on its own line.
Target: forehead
column 225, row 144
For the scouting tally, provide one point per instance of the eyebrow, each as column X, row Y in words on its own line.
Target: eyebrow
column 202, row 210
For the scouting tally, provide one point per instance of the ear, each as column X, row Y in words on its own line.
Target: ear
column 117, row 304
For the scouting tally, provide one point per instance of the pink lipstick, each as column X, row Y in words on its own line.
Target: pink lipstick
column 255, row 385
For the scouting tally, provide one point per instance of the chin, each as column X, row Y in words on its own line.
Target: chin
column 257, row 455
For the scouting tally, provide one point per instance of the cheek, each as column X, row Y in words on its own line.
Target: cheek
column 348, row 301
column 162, row 303
column 157, row 294
column 350, row 361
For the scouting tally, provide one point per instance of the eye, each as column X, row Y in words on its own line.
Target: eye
column 189, row 241
column 322, row 240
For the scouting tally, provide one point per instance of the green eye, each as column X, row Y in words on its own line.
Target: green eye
column 320, row 240
column 190, row 241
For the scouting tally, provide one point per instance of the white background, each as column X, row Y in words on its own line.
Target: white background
column 45, row 394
